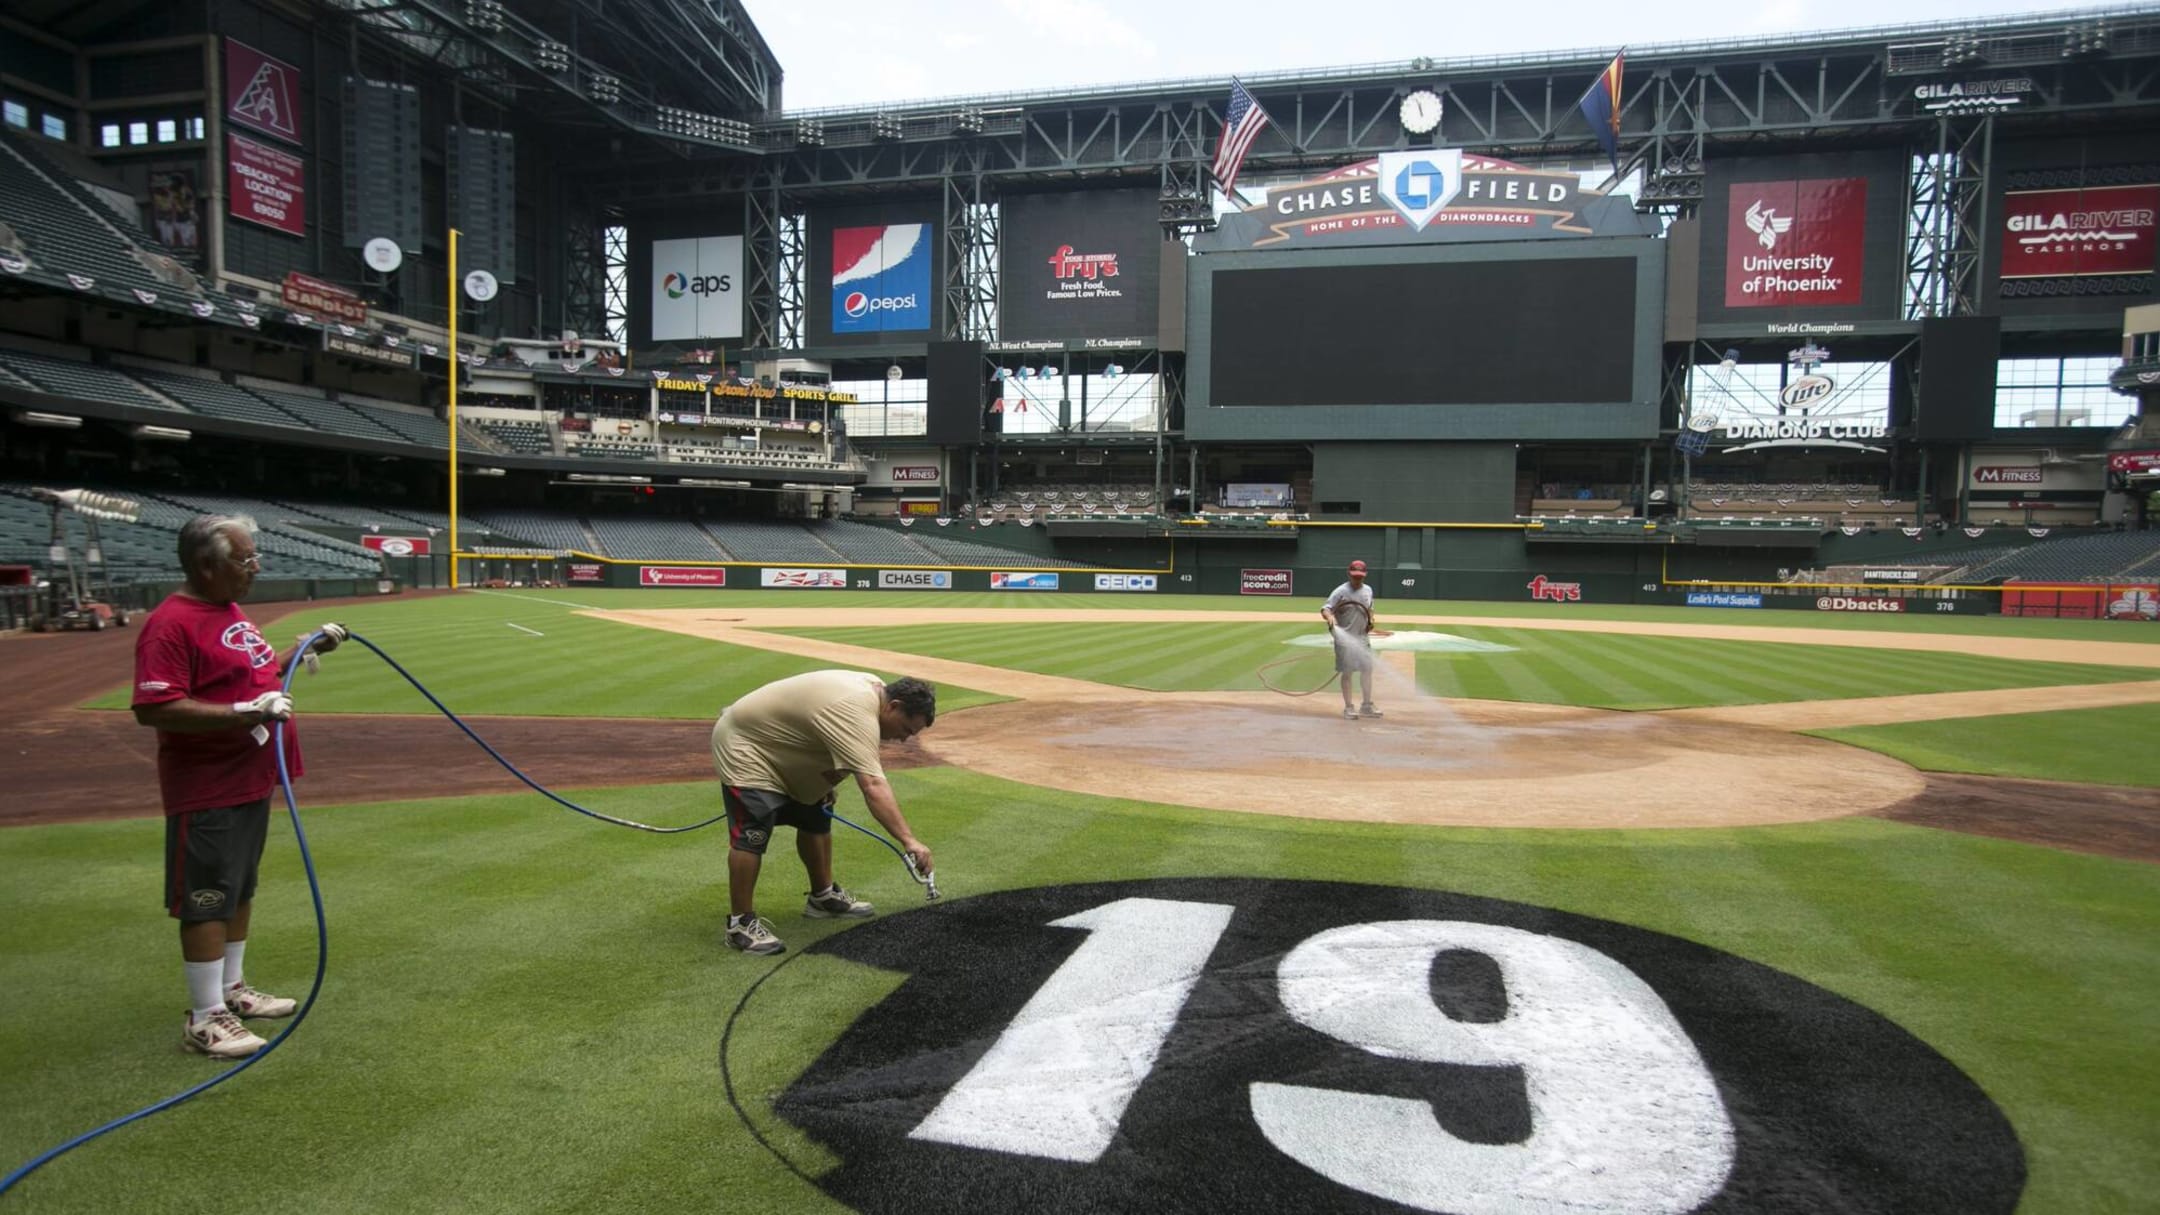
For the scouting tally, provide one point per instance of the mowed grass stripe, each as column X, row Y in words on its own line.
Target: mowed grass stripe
column 1594, row 670
column 2111, row 746
column 463, row 651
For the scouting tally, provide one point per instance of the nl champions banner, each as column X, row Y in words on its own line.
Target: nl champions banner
column 881, row 279
column 696, row 288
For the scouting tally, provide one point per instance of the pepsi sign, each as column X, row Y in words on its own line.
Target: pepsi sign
column 881, row 279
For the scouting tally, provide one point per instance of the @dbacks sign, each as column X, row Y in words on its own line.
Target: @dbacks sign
column 1256, row 1045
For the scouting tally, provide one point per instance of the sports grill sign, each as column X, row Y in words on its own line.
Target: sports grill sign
column 1264, row 582
column 2079, row 232
column 1227, row 1044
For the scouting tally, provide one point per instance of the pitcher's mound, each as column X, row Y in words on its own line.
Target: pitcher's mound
column 1460, row 763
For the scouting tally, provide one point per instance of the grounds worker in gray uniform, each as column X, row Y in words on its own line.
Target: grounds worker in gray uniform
column 1348, row 610
column 780, row 752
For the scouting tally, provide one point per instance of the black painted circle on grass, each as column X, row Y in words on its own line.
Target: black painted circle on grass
column 1832, row 1107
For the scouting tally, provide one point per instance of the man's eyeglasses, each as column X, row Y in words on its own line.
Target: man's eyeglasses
column 250, row 562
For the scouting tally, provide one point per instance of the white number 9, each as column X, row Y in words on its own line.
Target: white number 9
column 1624, row 1115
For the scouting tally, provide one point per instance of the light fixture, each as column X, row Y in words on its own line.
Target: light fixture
column 885, row 125
column 810, row 132
column 605, row 89
column 705, row 483
column 551, row 56
column 170, row 433
column 969, row 121
column 58, row 421
column 610, row 479
column 484, row 16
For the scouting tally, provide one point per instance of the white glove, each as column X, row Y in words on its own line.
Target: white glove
column 333, row 636
column 273, row 706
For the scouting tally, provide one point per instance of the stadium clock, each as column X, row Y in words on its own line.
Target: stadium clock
column 1420, row 112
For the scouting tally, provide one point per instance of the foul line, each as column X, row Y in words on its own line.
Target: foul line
column 522, row 629
column 530, row 598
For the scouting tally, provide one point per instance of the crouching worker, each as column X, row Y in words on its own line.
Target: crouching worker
column 781, row 751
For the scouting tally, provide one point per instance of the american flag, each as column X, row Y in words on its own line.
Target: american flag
column 1243, row 120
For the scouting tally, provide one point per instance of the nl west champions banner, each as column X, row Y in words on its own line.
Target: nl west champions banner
column 697, row 288
column 1080, row 265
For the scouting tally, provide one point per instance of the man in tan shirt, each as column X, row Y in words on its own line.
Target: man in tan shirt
column 781, row 751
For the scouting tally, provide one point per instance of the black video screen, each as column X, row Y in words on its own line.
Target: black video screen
column 1432, row 333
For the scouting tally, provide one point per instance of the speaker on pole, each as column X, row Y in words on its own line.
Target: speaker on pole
column 956, row 376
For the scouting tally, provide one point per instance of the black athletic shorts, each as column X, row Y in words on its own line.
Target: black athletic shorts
column 211, row 860
column 753, row 813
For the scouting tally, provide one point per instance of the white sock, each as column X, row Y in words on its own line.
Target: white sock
column 234, row 974
column 206, row 988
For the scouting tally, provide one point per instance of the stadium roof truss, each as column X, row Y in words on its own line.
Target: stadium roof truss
column 562, row 51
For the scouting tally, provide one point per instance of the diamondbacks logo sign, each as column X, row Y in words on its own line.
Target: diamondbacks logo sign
column 1795, row 242
column 1258, row 1045
column 261, row 93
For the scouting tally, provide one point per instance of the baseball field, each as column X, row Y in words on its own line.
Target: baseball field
column 1614, row 909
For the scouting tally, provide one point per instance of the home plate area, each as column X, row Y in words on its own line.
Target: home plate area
column 1207, row 1044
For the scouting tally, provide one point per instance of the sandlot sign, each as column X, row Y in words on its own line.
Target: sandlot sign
column 1213, row 1045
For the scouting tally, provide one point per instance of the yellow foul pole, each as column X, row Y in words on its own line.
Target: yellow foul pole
column 453, row 407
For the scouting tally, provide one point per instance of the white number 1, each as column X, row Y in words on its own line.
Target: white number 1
column 1057, row 1081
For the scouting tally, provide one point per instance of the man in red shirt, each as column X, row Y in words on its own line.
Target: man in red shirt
column 209, row 684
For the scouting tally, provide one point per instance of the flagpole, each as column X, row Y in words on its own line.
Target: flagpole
column 453, row 408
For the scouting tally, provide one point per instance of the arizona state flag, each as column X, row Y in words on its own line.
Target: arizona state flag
column 1601, row 105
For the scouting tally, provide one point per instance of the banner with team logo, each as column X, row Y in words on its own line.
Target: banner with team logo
column 397, row 546
column 262, row 93
column 1430, row 194
column 1000, row 581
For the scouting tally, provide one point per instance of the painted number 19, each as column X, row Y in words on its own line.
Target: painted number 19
column 1624, row 1115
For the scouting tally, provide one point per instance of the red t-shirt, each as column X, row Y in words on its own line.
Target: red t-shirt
column 191, row 650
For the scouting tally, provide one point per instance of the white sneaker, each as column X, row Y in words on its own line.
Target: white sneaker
column 245, row 1001
column 836, row 904
column 752, row 935
column 220, row 1036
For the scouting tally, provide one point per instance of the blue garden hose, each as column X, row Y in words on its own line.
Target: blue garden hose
column 322, row 929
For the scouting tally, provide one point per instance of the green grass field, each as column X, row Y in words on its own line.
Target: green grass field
column 524, row 1007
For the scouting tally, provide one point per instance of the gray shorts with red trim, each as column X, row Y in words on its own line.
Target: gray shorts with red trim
column 212, row 858
column 753, row 813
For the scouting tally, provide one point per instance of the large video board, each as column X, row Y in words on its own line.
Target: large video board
column 1533, row 339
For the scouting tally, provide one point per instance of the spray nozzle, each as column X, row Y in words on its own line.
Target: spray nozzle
column 929, row 880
